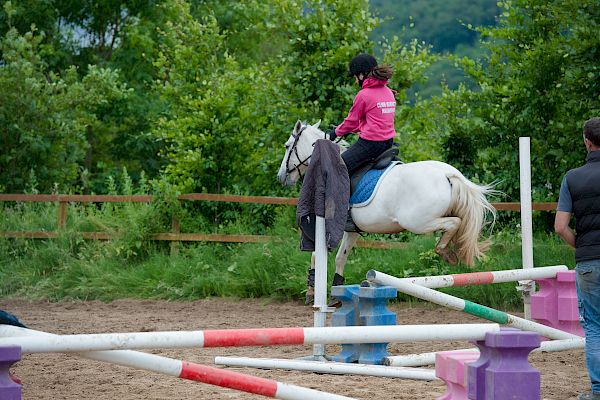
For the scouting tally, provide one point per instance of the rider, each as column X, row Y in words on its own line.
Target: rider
column 371, row 114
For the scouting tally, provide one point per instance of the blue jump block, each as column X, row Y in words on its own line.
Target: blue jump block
column 346, row 315
column 373, row 311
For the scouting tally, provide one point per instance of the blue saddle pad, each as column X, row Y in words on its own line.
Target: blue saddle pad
column 366, row 186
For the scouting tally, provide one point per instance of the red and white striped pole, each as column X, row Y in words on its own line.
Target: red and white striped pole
column 190, row 371
column 249, row 337
column 486, row 277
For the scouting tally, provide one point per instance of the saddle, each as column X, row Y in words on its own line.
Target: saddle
column 381, row 162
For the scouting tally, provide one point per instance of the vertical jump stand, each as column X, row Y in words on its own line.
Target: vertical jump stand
column 320, row 306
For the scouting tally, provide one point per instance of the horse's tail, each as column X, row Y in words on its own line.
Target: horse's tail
column 469, row 203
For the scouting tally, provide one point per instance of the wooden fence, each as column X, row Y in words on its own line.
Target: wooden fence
column 175, row 236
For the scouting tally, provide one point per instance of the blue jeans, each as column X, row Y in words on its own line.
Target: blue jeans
column 588, row 293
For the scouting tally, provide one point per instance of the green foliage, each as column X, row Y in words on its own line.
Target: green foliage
column 44, row 115
column 221, row 115
column 554, row 91
column 321, row 43
column 538, row 79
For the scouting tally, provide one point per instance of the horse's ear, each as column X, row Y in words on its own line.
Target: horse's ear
column 297, row 127
column 317, row 124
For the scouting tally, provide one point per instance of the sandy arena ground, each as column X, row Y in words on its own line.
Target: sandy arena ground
column 56, row 376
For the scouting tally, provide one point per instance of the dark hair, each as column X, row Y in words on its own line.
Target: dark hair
column 591, row 130
column 383, row 72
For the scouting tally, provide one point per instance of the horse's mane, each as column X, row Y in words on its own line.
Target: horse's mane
column 340, row 142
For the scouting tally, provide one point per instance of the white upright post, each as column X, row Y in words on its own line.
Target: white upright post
column 527, row 287
column 320, row 306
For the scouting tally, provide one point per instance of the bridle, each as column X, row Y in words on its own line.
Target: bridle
column 294, row 148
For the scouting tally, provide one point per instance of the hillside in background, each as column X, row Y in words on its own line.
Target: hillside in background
column 442, row 24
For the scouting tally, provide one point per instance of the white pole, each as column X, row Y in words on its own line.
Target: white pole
column 420, row 360
column 397, row 333
column 526, row 220
column 417, row 360
column 250, row 337
column 320, row 306
column 190, row 371
column 456, row 303
column 329, row 367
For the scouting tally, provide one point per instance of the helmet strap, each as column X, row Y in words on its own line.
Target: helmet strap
column 360, row 81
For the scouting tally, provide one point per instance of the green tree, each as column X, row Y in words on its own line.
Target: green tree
column 44, row 116
column 541, row 79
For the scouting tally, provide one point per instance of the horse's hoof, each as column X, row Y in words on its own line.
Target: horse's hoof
column 310, row 296
column 448, row 256
column 335, row 303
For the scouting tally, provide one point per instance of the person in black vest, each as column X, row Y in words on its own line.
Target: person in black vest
column 580, row 195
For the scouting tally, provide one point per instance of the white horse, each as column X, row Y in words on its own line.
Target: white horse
column 419, row 197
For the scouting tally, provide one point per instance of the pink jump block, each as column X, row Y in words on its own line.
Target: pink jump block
column 555, row 304
column 451, row 367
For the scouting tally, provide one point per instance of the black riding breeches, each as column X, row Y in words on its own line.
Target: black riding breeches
column 364, row 151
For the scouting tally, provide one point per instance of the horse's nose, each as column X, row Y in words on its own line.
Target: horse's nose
column 281, row 177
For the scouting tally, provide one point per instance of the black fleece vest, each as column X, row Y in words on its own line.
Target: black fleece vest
column 584, row 186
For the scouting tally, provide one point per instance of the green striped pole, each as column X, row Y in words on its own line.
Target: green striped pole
column 456, row 303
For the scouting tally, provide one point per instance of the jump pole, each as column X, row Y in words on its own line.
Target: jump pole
column 330, row 367
column 484, row 278
column 250, row 337
column 190, row 371
column 469, row 307
column 420, row 360
column 320, row 305
column 526, row 286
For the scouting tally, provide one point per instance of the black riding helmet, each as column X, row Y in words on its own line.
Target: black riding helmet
column 362, row 63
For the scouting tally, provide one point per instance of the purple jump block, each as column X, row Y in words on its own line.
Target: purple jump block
column 506, row 370
column 555, row 304
column 451, row 367
column 9, row 390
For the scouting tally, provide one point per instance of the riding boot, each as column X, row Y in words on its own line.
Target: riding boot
column 350, row 225
column 338, row 280
column 310, row 291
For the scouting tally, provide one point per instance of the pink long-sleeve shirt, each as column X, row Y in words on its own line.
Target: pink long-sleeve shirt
column 372, row 113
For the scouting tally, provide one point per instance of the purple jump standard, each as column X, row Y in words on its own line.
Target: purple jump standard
column 9, row 390
column 502, row 370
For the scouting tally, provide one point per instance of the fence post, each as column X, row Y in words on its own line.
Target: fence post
column 62, row 214
column 175, row 229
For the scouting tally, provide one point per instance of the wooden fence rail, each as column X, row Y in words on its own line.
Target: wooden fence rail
column 175, row 236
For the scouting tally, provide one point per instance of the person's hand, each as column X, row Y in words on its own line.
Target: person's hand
column 331, row 133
